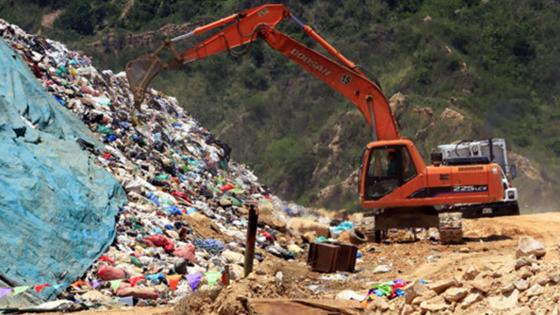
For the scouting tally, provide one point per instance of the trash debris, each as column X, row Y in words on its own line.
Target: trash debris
column 390, row 289
column 382, row 269
column 349, row 295
column 343, row 226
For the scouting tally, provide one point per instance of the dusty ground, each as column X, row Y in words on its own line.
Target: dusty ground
column 489, row 244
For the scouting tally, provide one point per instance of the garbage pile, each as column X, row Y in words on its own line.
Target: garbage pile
column 185, row 219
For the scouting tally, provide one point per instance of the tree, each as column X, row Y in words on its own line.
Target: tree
column 78, row 17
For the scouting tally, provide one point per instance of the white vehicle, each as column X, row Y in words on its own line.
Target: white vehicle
column 481, row 152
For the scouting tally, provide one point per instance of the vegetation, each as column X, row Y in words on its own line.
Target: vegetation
column 495, row 61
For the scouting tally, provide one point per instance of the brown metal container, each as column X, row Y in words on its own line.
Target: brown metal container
column 323, row 257
column 346, row 260
column 327, row 257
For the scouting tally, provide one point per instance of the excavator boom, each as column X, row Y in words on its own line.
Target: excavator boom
column 260, row 23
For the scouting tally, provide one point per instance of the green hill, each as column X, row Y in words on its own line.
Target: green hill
column 466, row 69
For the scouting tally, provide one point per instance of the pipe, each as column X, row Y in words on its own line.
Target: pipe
column 323, row 42
column 369, row 100
column 181, row 37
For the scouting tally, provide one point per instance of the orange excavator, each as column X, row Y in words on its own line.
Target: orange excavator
column 396, row 186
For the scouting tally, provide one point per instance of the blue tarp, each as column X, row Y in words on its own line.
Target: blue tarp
column 57, row 207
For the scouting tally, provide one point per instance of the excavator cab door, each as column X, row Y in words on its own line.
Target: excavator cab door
column 386, row 169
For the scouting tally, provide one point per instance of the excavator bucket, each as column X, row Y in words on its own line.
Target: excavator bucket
column 140, row 72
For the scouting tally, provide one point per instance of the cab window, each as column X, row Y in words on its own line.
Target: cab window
column 388, row 168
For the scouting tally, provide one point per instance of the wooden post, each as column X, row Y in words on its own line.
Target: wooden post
column 251, row 238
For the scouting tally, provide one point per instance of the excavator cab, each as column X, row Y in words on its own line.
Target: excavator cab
column 387, row 165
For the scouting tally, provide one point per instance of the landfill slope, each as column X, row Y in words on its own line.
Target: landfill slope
column 57, row 208
column 187, row 202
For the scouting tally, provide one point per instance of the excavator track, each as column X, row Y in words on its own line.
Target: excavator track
column 450, row 227
column 448, row 221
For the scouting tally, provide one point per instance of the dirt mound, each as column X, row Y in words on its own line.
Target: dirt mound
column 272, row 279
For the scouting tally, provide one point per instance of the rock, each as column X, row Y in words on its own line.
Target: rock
column 521, row 284
column 524, row 261
column 555, row 310
column 482, row 285
column 381, row 304
column 382, row 269
column 471, row 273
column 349, row 295
column 269, row 216
column 421, row 298
column 504, row 302
column 543, row 311
column 397, row 103
column 279, row 280
column 452, row 116
column 455, row 294
column 407, row 309
column 540, row 279
column 464, row 250
column 535, row 268
column 303, row 225
column 555, row 278
column 535, row 290
column 508, row 288
column 413, row 290
column 442, row 285
column 524, row 272
column 529, row 246
column 436, row 304
column 471, row 299
column 233, row 257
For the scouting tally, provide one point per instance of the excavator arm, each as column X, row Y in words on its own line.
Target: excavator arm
column 244, row 28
